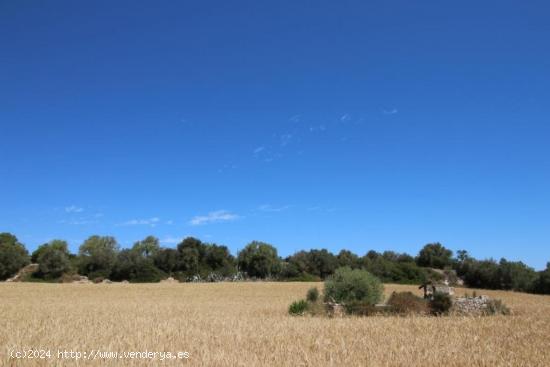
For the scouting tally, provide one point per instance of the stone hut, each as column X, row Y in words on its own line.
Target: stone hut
column 431, row 287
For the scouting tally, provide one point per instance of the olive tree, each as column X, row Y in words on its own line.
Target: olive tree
column 97, row 256
column 259, row 259
column 52, row 258
column 13, row 255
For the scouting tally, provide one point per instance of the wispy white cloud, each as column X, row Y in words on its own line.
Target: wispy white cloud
column 214, row 217
column 73, row 209
column 258, row 150
column 345, row 117
column 285, row 139
column 295, row 118
column 141, row 222
column 317, row 128
column 270, row 208
column 393, row 111
column 170, row 222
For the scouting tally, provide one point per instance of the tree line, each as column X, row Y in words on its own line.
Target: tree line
column 194, row 260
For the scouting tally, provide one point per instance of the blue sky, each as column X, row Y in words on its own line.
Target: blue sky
column 349, row 124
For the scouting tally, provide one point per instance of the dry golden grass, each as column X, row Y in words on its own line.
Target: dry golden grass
column 246, row 324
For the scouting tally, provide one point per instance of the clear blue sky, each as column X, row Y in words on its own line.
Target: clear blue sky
column 323, row 124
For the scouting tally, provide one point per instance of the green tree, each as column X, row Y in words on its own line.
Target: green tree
column 53, row 259
column 190, row 252
column 353, row 285
column 13, row 255
column 218, row 259
column 542, row 283
column 147, row 247
column 483, row 274
column 259, row 260
column 97, row 256
column 53, row 244
column 321, row 263
column 347, row 258
column 166, row 259
column 434, row 255
column 516, row 276
column 133, row 265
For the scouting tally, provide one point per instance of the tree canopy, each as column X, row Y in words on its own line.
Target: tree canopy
column 13, row 255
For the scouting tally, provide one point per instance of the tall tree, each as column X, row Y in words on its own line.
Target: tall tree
column 434, row 255
column 13, row 255
column 97, row 256
column 259, row 259
column 147, row 247
column 52, row 258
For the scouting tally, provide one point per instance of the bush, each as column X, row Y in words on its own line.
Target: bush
column 407, row 303
column 312, row 294
column 440, row 304
column 298, row 308
column 304, row 277
column 347, row 285
column 358, row 308
column 496, row 307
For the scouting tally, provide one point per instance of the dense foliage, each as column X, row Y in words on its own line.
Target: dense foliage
column 97, row 256
column 53, row 259
column 353, row 285
column 434, row 255
column 259, row 260
column 13, row 255
column 440, row 304
column 194, row 260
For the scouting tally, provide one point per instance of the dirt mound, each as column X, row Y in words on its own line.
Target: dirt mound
column 169, row 280
column 81, row 279
column 23, row 273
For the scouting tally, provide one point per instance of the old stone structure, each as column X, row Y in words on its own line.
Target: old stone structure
column 430, row 288
column 471, row 305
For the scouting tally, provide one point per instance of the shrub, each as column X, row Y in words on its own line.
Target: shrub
column 298, row 308
column 98, row 280
column 407, row 303
column 440, row 304
column 312, row 294
column 496, row 307
column 347, row 285
column 359, row 308
column 304, row 277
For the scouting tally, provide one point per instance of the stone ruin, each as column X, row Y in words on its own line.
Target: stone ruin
column 471, row 305
column 430, row 288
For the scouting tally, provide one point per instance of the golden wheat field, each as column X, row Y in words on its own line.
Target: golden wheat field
column 246, row 324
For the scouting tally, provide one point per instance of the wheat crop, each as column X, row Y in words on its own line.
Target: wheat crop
column 247, row 324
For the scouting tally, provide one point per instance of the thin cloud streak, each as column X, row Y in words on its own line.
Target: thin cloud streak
column 140, row 222
column 73, row 209
column 214, row 217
